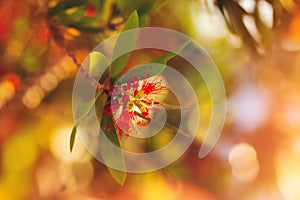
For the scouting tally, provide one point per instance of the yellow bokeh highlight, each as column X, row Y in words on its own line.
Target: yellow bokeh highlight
column 243, row 160
column 155, row 186
column 19, row 152
column 288, row 174
column 4, row 194
column 33, row 97
column 48, row 81
column 60, row 148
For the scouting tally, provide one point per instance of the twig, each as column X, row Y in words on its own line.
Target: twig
column 85, row 72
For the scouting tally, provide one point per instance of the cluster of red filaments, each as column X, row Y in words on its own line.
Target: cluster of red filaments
column 133, row 103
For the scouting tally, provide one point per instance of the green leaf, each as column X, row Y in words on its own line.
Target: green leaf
column 106, row 9
column 235, row 22
column 119, row 176
column 63, row 5
column 72, row 14
column 125, row 42
column 153, row 68
column 91, row 25
column 99, row 106
column 82, row 110
column 98, row 63
column 72, row 138
column 163, row 59
column 143, row 6
column 111, row 156
column 68, row 19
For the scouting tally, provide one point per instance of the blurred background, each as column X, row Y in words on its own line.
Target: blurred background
column 254, row 43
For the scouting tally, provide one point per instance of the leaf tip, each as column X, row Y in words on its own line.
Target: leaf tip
column 118, row 176
column 72, row 138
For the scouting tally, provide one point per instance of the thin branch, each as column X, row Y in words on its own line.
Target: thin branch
column 85, row 72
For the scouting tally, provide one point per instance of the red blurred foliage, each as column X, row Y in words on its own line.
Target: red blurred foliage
column 6, row 12
column 14, row 79
column 90, row 11
column 43, row 32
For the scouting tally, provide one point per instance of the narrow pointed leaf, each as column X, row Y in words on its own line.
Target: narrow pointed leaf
column 64, row 5
column 99, row 106
column 72, row 138
column 125, row 42
column 119, row 176
column 236, row 24
column 98, row 64
column 110, row 150
column 153, row 68
column 84, row 108
column 163, row 59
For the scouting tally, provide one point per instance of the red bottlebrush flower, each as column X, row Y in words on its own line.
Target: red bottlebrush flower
column 133, row 103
